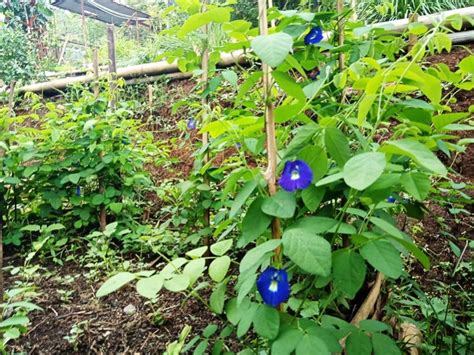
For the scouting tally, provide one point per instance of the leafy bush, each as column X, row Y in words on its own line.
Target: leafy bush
column 71, row 161
column 17, row 57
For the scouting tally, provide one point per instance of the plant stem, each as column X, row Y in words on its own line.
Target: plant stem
column 270, row 173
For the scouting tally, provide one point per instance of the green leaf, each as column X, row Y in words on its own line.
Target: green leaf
column 197, row 253
column 329, row 179
column 310, row 343
column 266, row 322
column 310, row 252
column 312, row 197
column 372, row 325
column 384, row 345
column 348, row 271
column 443, row 120
column 272, row 49
column 217, row 15
column 358, row 343
column 114, row 283
column 384, row 257
column 241, row 197
column 418, row 152
column 252, row 258
column 317, row 160
column 220, row 248
column 150, row 286
column 281, row 205
column 289, row 85
column 364, row 108
column 98, row 199
column 417, row 184
column 287, row 341
column 230, row 76
column 255, row 222
column 216, row 301
column 337, row 145
column 218, row 268
column 315, row 225
column 363, row 170
column 15, row 321
column 247, row 85
column 467, row 65
column 116, row 207
column 177, row 283
column 194, row 269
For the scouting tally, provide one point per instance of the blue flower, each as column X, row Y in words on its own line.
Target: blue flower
column 238, row 145
column 273, row 286
column 391, row 199
column 78, row 191
column 296, row 175
column 314, row 36
column 192, row 123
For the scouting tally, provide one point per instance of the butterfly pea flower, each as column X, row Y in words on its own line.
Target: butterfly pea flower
column 191, row 123
column 78, row 191
column 314, row 36
column 391, row 199
column 238, row 145
column 296, row 175
column 273, row 286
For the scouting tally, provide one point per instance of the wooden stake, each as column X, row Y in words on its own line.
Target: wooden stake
column 270, row 173
column 412, row 38
column 150, row 96
column 205, row 104
column 11, row 98
column 95, row 66
column 340, row 29
column 112, row 63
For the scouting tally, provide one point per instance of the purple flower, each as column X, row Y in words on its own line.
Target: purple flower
column 191, row 123
column 273, row 286
column 78, row 191
column 314, row 36
column 391, row 199
column 297, row 175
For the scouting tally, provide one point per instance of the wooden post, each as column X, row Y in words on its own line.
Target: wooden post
column 354, row 10
column 150, row 96
column 412, row 38
column 112, row 63
column 270, row 173
column 84, row 27
column 95, row 66
column 340, row 29
column 205, row 105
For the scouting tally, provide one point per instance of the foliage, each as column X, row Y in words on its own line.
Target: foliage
column 86, row 158
column 15, row 312
column 29, row 15
column 382, row 10
column 17, row 57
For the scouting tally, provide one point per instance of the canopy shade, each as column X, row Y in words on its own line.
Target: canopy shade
column 106, row 11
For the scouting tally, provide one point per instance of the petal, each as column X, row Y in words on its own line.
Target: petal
column 273, row 298
column 286, row 182
column 306, row 175
column 314, row 36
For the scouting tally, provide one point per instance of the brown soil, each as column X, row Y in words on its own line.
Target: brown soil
column 106, row 327
column 439, row 226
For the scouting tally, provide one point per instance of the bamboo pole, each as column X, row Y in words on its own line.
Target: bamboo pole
column 112, row 63
column 270, row 173
column 205, row 105
column 95, row 65
column 340, row 29
column 130, row 72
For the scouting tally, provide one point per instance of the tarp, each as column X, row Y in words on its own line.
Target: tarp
column 106, row 11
